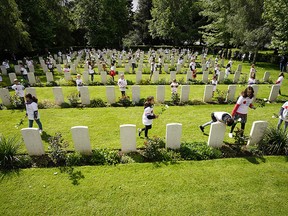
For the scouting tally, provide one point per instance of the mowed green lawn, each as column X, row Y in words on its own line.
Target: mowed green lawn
column 239, row 186
column 104, row 123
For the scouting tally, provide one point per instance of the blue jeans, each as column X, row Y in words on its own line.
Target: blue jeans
column 38, row 123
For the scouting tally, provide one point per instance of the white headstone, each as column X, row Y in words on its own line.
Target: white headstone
column 84, row 95
column 31, row 91
column 3, row 70
column 231, row 93
column 205, row 76
column 110, row 94
column 33, row 142
column 67, row 76
column 58, row 95
column 12, row 76
column 59, row 60
column 103, row 77
column 236, row 77
column 172, row 75
column 59, row 69
column 80, row 136
column 45, row 68
column 17, row 69
column 127, row 68
column 166, row 68
column 266, row 76
column 239, row 68
column 5, row 96
column 185, row 90
column 49, row 77
column 128, row 137
column 155, row 76
column 160, row 95
column 178, row 69
column 31, row 68
column 208, row 93
column 216, row 134
column 138, row 76
column 274, row 93
column 85, row 76
column 31, row 78
column 221, row 77
column 173, row 135
column 255, row 88
column 257, row 132
column 73, row 69
column 135, row 93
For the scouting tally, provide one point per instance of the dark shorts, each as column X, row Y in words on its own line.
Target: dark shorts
column 148, row 126
column 242, row 116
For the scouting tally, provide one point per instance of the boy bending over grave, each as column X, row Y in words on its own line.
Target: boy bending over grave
column 223, row 117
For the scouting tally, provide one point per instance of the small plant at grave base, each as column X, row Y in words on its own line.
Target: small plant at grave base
column 46, row 104
column 105, row 157
column 228, row 81
column 16, row 102
column 274, row 142
column 144, row 82
column 73, row 99
column 141, row 102
column 198, row 151
column 20, row 122
column 175, row 98
column 221, row 96
column 260, row 102
column 130, row 82
column 243, row 80
column 152, row 148
column 51, row 83
column 239, row 139
column 65, row 105
column 111, row 82
column 125, row 102
column 57, row 147
column 98, row 102
column 8, row 149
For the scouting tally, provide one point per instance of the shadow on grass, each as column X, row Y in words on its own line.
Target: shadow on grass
column 256, row 160
column 8, row 174
column 166, row 163
column 45, row 136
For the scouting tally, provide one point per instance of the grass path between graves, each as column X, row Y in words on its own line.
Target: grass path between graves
column 239, row 186
column 104, row 123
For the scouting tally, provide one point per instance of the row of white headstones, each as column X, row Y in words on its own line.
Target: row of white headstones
column 160, row 94
column 81, row 140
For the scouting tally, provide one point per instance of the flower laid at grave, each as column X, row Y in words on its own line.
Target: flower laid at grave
column 261, row 102
column 20, row 122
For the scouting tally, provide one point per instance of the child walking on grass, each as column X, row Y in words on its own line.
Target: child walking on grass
column 32, row 111
column 283, row 116
column 148, row 116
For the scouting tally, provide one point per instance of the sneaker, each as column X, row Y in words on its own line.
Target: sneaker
column 139, row 132
column 40, row 131
column 201, row 128
column 231, row 135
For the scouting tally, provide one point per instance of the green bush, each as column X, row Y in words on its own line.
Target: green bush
column 274, row 142
column 105, row 157
column 52, row 83
column 57, row 149
column 46, row 104
column 24, row 161
column 65, row 105
column 98, row 102
column 8, row 149
column 198, row 151
column 73, row 99
column 152, row 151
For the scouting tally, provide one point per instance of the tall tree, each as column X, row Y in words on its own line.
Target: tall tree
column 106, row 21
column 176, row 20
column 13, row 34
column 48, row 22
column 277, row 17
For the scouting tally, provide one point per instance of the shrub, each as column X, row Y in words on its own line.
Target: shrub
column 57, row 147
column 8, row 149
column 198, row 151
column 140, row 102
column 130, row 82
column 98, row 102
column 51, row 83
column 24, row 161
column 105, row 157
column 228, row 81
column 152, row 150
column 46, row 104
column 65, row 105
column 274, row 142
column 16, row 102
column 175, row 99
column 125, row 102
column 221, row 96
column 73, row 99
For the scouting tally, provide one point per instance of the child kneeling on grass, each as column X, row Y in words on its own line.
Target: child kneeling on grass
column 222, row 117
column 148, row 116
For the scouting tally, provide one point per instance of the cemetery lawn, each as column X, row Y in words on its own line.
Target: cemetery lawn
column 104, row 123
column 239, row 186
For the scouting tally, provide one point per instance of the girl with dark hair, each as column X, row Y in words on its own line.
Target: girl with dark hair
column 241, row 109
column 32, row 111
column 148, row 116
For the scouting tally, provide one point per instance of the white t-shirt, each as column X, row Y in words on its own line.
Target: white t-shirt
column 147, row 111
column 219, row 115
column 79, row 83
column 19, row 89
column 24, row 71
column 122, row 83
column 30, row 109
column 284, row 115
column 279, row 80
column 192, row 66
column 214, row 83
column 244, row 104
